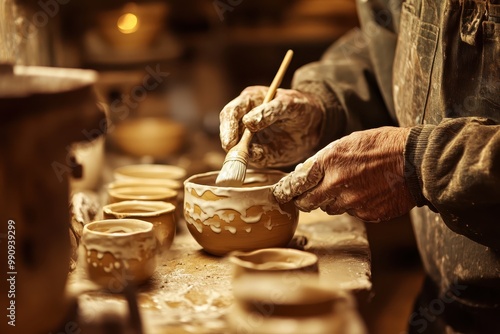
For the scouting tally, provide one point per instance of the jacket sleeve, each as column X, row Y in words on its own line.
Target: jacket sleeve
column 454, row 168
column 353, row 79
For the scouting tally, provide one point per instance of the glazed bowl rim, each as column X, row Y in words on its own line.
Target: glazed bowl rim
column 178, row 172
column 190, row 179
column 147, row 227
column 160, row 207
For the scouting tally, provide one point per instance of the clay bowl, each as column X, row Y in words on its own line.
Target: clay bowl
column 119, row 252
column 247, row 218
column 273, row 260
column 149, row 136
column 142, row 193
column 160, row 214
column 289, row 306
column 151, row 173
column 128, row 183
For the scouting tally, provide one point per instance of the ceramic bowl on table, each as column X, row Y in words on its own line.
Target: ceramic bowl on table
column 148, row 173
column 129, row 183
column 119, row 251
column 149, row 136
column 160, row 214
column 225, row 219
column 142, row 193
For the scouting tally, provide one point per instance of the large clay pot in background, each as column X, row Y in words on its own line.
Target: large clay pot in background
column 42, row 112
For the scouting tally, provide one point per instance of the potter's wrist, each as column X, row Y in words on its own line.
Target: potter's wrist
column 332, row 113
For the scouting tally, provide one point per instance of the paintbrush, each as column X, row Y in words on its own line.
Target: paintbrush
column 234, row 168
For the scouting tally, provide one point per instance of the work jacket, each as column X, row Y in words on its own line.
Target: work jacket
column 433, row 66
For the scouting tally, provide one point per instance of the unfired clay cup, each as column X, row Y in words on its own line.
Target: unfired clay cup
column 142, row 193
column 130, row 183
column 150, row 172
column 273, row 260
column 225, row 219
column 160, row 214
column 119, row 252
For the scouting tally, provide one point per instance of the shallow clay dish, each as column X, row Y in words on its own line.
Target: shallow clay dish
column 274, row 260
column 151, row 172
column 224, row 219
column 149, row 136
column 118, row 251
column 160, row 214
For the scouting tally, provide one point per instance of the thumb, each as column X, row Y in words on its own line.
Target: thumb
column 305, row 176
column 264, row 115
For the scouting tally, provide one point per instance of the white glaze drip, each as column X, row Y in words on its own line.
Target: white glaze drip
column 118, row 241
column 214, row 228
column 229, row 200
column 268, row 225
column 248, row 229
column 108, row 268
column 231, row 229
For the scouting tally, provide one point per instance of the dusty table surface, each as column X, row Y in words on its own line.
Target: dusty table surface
column 191, row 290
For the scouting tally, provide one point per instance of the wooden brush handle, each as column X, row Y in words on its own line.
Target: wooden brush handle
column 247, row 134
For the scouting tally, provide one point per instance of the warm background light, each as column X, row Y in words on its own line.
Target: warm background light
column 128, row 23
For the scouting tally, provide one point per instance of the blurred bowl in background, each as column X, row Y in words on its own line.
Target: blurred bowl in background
column 90, row 155
column 130, row 183
column 151, row 172
column 149, row 136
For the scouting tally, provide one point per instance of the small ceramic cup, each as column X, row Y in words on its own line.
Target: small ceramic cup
column 118, row 252
column 160, row 214
column 142, row 193
column 150, row 172
column 273, row 261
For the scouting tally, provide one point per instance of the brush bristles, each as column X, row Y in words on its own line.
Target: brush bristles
column 232, row 174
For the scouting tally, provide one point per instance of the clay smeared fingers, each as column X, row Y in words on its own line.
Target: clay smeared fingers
column 304, row 177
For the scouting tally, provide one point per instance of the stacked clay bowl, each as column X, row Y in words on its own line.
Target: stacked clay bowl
column 246, row 218
column 149, row 174
column 132, row 190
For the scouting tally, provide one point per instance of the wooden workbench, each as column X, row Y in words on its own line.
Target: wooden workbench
column 191, row 290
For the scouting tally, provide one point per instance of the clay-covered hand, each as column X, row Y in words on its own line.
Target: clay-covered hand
column 286, row 129
column 361, row 174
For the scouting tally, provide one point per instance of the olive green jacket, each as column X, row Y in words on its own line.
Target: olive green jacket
column 433, row 66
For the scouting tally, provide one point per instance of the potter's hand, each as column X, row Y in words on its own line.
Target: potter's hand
column 286, row 129
column 361, row 174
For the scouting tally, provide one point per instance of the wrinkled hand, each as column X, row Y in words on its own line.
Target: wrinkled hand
column 286, row 129
column 361, row 174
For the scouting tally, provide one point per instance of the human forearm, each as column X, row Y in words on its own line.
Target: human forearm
column 454, row 168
